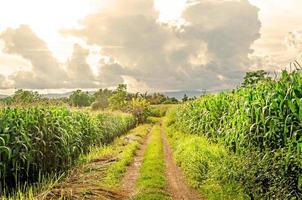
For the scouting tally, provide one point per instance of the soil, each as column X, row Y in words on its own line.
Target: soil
column 83, row 183
column 177, row 186
column 130, row 178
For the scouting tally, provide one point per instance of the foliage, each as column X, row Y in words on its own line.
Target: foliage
column 101, row 99
column 118, row 101
column 23, row 97
column 206, row 165
column 80, row 99
column 262, row 124
column 99, row 105
column 140, row 108
column 159, row 98
column 254, row 77
column 159, row 110
column 37, row 141
column 185, row 98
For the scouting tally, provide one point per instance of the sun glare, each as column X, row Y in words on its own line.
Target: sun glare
column 170, row 10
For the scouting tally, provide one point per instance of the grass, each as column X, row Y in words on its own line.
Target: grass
column 152, row 181
column 125, row 148
column 205, row 165
column 29, row 192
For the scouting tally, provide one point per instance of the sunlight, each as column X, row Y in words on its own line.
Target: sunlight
column 170, row 10
column 47, row 18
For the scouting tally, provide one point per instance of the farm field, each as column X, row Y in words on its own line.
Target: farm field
column 242, row 144
column 151, row 100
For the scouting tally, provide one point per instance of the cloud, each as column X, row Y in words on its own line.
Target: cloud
column 79, row 72
column 4, row 83
column 46, row 71
column 110, row 74
column 214, row 43
column 210, row 50
column 294, row 39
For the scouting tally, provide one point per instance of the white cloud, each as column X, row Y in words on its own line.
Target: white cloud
column 216, row 41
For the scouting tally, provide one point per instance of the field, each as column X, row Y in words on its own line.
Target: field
column 245, row 144
column 242, row 144
column 41, row 141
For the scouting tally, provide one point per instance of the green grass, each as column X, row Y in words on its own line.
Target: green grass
column 28, row 192
column 152, row 181
column 124, row 148
column 206, row 165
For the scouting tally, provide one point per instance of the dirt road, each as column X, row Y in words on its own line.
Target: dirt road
column 177, row 186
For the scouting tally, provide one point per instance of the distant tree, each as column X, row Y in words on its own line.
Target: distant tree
column 185, row 98
column 192, row 98
column 171, row 100
column 252, row 78
column 100, row 104
column 24, row 97
column 80, row 99
column 101, row 99
column 118, row 100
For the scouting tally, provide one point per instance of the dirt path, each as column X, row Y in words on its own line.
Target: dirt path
column 177, row 186
column 132, row 173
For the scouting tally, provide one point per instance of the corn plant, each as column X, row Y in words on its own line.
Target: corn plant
column 266, row 119
column 37, row 141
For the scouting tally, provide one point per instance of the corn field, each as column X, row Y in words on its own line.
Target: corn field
column 38, row 141
column 263, row 124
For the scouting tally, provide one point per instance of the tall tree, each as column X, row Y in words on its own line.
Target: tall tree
column 80, row 99
column 252, row 78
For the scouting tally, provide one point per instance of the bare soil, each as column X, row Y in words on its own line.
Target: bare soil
column 132, row 173
column 83, row 183
column 177, row 186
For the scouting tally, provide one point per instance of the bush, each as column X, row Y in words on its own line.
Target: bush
column 140, row 108
column 99, row 105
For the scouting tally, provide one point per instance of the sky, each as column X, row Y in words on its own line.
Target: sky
column 151, row 45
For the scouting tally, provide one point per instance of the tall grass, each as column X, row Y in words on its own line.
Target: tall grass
column 263, row 124
column 39, row 141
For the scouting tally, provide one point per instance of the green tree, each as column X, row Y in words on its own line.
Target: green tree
column 100, row 104
column 80, row 99
column 118, row 101
column 185, row 98
column 25, row 97
column 101, row 99
column 252, row 78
